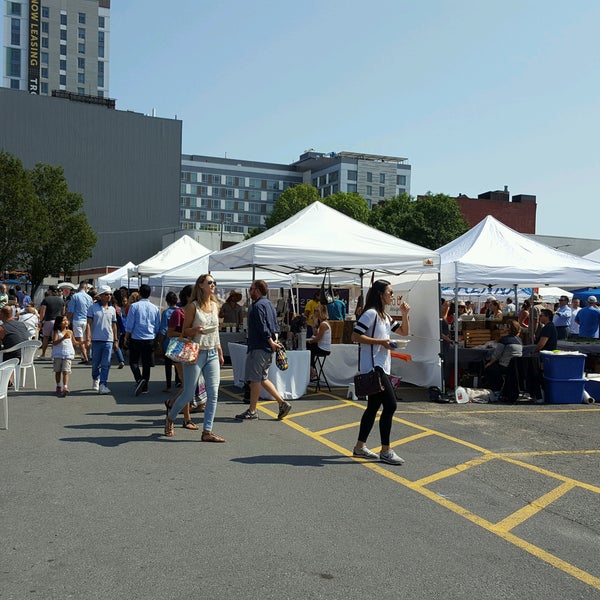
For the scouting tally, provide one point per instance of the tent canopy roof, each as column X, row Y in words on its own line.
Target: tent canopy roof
column 492, row 254
column 319, row 238
column 180, row 251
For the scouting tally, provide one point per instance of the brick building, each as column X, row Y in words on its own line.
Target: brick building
column 518, row 213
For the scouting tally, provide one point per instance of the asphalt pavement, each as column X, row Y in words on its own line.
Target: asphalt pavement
column 493, row 502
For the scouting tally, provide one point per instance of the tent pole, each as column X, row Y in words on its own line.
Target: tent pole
column 456, row 335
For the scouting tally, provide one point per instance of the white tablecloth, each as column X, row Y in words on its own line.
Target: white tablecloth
column 291, row 384
column 341, row 365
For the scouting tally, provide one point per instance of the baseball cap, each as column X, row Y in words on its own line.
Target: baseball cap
column 104, row 289
column 592, row 300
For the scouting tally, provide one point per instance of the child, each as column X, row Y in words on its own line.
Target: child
column 63, row 353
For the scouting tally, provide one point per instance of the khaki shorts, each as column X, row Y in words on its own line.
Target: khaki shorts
column 62, row 365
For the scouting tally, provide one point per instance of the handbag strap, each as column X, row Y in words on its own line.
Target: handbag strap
column 372, row 353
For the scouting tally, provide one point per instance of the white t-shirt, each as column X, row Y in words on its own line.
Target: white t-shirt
column 383, row 328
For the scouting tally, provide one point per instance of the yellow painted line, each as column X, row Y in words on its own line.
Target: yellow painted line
column 454, row 470
column 338, row 428
column 533, row 508
column 411, row 438
column 549, row 453
column 315, row 411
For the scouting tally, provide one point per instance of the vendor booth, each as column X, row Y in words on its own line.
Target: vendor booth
column 492, row 254
column 319, row 240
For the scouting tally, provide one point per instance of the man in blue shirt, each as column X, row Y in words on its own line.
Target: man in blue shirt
column 141, row 329
column 263, row 332
column 337, row 309
column 562, row 318
column 77, row 314
column 589, row 319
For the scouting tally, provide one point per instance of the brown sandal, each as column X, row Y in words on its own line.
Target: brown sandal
column 209, row 436
column 169, row 427
column 190, row 425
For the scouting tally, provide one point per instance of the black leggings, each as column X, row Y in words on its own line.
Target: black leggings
column 387, row 398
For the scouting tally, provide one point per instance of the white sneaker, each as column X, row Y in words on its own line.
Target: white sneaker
column 364, row 452
column 390, row 457
column 104, row 390
column 96, row 385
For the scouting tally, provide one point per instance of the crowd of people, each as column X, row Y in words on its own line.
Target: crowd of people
column 100, row 323
column 536, row 323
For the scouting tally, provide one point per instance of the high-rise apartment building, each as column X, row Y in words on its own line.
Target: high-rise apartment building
column 234, row 196
column 53, row 45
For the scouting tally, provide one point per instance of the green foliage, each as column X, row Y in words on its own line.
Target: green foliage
column 67, row 238
column 18, row 207
column 292, row 201
column 431, row 222
column 42, row 227
column 351, row 204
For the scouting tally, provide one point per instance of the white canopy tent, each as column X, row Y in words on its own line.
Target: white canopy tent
column 179, row 252
column 492, row 254
column 595, row 255
column 319, row 239
column 117, row 278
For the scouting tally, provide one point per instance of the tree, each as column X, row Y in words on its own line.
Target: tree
column 18, row 206
column 291, row 201
column 67, row 238
column 294, row 199
column 431, row 222
column 351, row 204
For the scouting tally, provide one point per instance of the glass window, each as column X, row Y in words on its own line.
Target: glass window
column 81, row 48
column 351, row 188
column 63, row 19
column 63, row 35
column 44, row 72
column 80, row 90
column 81, row 33
column 80, row 62
column 14, row 63
column 45, row 12
column 44, row 88
column 14, row 84
column 44, row 42
column 381, row 177
column 352, row 176
column 63, row 49
column 369, row 176
column 44, row 58
column 82, row 18
column 45, row 26
column 401, row 180
column 15, row 32
column 63, row 65
column 255, row 183
column 14, row 9
column 80, row 77
column 63, row 79
column 382, row 191
column 101, row 69
column 101, row 22
column 333, row 176
column 369, row 190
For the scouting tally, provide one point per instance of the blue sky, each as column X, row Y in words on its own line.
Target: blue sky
column 476, row 94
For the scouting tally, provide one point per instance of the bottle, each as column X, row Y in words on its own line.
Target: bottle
column 461, row 395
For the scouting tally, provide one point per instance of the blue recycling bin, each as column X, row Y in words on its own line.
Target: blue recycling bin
column 563, row 365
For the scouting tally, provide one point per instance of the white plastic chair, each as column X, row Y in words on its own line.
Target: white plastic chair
column 28, row 349
column 6, row 370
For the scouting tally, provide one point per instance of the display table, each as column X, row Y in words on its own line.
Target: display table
column 228, row 337
column 341, row 365
column 291, row 384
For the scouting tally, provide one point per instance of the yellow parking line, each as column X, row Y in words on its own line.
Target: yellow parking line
column 534, row 507
column 454, row 470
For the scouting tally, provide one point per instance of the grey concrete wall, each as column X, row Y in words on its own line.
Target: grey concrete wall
column 126, row 166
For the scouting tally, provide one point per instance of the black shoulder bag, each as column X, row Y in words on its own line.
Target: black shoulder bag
column 367, row 384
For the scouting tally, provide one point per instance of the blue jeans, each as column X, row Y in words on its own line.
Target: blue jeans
column 208, row 365
column 101, row 355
